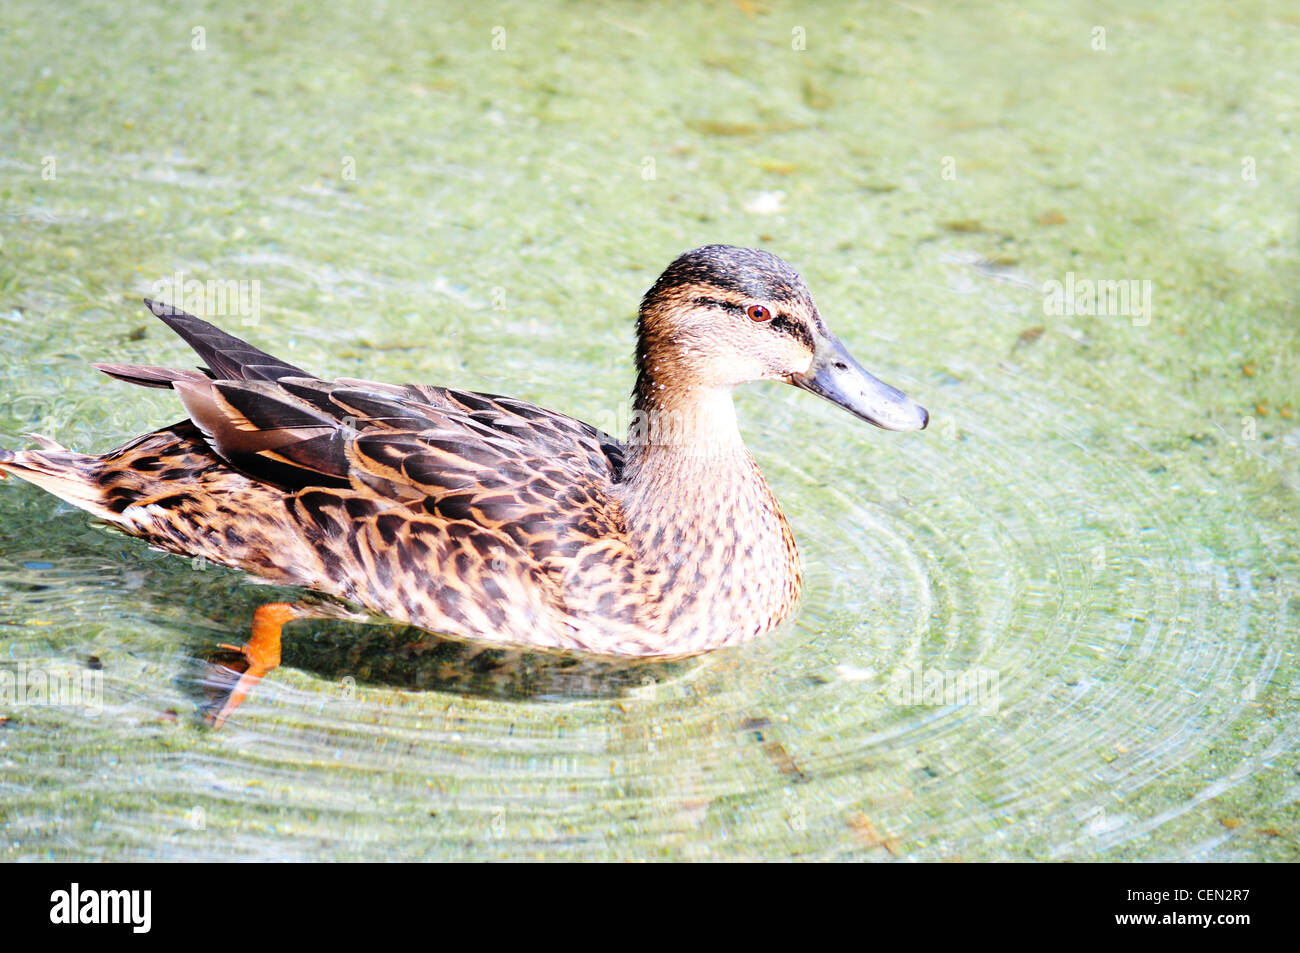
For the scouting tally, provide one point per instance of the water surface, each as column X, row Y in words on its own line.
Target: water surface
column 1059, row 624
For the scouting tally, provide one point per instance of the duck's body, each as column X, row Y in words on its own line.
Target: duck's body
column 466, row 514
column 487, row 518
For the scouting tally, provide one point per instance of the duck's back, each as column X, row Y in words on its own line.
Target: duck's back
column 475, row 515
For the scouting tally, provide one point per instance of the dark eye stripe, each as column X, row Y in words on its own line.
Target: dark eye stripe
column 781, row 322
column 719, row 303
column 787, row 325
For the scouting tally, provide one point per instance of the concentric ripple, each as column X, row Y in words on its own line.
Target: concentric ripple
column 1024, row 636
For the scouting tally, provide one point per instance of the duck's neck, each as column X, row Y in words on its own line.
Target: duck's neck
column 699, row 509
column 682, row 421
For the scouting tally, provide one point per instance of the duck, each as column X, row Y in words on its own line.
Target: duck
column 480, row 517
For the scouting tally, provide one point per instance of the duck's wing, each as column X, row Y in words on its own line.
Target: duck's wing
column 280, row 423
column 225, row 355
column 463, row 512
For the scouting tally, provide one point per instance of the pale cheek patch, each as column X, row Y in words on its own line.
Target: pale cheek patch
column 795, row 359
column 738, row 369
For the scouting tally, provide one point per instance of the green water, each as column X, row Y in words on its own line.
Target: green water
column 1099, row 527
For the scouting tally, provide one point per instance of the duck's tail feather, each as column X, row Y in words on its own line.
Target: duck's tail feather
column 115, row 485
column 149, row 376
column 69, row 476
column 226, row 356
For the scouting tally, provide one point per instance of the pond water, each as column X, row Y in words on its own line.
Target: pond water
column 1059, row 624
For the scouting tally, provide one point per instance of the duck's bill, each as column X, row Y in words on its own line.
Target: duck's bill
column 835, row 375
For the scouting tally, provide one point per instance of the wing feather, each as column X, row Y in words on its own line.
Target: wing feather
column 412, row 499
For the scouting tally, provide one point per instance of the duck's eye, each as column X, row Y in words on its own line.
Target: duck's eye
column 757, row 312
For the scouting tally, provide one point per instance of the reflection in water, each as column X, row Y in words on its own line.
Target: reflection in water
column 357, row 655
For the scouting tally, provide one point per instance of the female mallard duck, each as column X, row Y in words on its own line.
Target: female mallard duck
column 487, row 518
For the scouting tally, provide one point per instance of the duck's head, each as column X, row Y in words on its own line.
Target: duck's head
column 721, row 316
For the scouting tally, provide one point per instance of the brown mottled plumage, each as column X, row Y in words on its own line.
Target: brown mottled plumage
column 487, row 518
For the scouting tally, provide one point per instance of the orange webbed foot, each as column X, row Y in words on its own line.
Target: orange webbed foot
column 258, row 656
